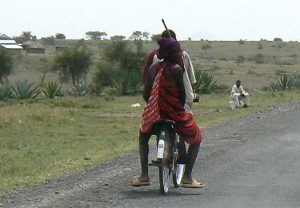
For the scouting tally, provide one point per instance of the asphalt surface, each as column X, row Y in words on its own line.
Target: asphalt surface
column 250, row 162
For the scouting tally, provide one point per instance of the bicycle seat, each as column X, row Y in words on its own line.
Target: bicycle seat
column 168, row 121
column 165, row 124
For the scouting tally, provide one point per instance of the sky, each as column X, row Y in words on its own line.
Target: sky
column 195, row 19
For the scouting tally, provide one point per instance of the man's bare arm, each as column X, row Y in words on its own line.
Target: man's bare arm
column 149, row 82
column 178, row 77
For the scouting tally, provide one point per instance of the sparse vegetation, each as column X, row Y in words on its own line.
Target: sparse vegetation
column 240, row 59
column 5, row 65
column 22, row 89
column 205, row 82
column 283, row 83
column 75, row 63
column 259, row 58
column 52, row 89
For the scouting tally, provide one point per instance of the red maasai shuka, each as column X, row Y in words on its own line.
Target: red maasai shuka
column 164, row 103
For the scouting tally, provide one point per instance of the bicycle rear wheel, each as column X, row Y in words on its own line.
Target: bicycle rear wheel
column 178, row 174
column 178, row 164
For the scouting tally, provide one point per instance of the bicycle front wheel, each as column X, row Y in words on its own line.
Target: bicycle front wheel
column 164, row 169
column 164, row 179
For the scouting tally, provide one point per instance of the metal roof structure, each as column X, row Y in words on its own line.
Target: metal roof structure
column 9, row 44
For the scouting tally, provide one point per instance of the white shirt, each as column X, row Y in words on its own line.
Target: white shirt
column 237, row 90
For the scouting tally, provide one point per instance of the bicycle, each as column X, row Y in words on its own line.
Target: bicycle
column 171, row 153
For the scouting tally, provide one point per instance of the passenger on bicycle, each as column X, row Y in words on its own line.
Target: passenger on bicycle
column 185, row 62
column 165, row 96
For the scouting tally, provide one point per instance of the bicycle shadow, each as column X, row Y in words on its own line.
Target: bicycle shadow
column 155, row 193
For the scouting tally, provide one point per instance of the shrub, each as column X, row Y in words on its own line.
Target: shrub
column 24, row 90
column 5, row 92
column 81, row 88
column 240, row 59
column 52, row 89
column 73, row 63
column 283, row 82
column 98, row 89
column 259, row 58
column 128, row 83
column 296, row 81
column 277, row 39
column 260, row 46
column 205, row 82
column 6, row 64
column 205, row 47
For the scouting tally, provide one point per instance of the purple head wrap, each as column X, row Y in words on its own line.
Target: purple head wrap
column 168, row 46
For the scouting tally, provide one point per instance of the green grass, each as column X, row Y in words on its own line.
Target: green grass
column 47, row 138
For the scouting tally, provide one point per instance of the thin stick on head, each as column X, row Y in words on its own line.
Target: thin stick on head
column 169, row 34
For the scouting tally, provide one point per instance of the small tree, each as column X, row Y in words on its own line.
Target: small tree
column 277, row 39
column 136, row 35
column 25, row 36
column 155, row 37
column 117, row 37
column 259, row 58
column 60, row 36
column 121, row 68
column 146, row 35
column 95, row 35
column 241, row 42
column 5, row 65
column 205, row 47
column 240, row 59
column 260, row 46
column 74, row 63
column 48, row 40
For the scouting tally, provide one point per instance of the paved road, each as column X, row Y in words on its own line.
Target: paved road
column 251, row 162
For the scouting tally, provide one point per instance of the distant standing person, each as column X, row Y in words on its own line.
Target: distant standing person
column 238, row 97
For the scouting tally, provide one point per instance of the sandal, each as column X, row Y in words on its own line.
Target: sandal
column 137, row 182
column 194, row 184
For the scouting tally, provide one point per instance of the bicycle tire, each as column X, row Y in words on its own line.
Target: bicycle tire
column 178, row 174
column 179, row 169
column 164, row 170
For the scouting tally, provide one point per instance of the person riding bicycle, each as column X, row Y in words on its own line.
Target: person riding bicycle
column 165, row 96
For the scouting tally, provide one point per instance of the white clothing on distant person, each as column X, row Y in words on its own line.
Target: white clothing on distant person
column 238, row 97
column 188, row 79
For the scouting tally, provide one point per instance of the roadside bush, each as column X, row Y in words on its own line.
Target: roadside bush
column 5, row 92
column 73, row 63
column 81, row 88
column 121, row 68
column 282, row 82
column 6, row 64
column 128, row 83
column 296, row 81
column 205, row 82
column 52, row 89
column 106, row 73
column 240, row 59
column 98, row 89
column 259, row 58
column 22, row 89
